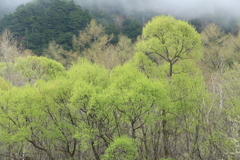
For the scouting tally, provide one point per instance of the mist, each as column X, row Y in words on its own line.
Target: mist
column 179, row 8
column 8, row 6
column 195, row 8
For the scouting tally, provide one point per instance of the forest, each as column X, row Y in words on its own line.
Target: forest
column 85, row 84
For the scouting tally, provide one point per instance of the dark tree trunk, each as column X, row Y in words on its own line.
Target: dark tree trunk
column 164, row 122
column 165, row 135
column 170, row 70
column 95, row 152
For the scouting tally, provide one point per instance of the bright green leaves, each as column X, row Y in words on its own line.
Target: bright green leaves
column 78, row 112
column 187, row 90
column 170, row 39
column 174, row 46
column 20, row 112
column 30, row 69
column 121, row 148
column 4, row 85
column 89, row 72
column 42, row 67
column 55, row 98
column 134, row 86
column 134, row 96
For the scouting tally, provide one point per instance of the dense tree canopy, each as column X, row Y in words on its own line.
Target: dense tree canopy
column 40, row 21
column 132, row 28
column 171, row 40
column 105, row 99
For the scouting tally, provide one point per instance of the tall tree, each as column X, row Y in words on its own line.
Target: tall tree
column 9, row 47
column 94, row 44
column 57, row 52
column 169, row 40
column 217, row 49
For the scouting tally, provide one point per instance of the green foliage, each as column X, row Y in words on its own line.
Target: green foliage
column 88, row 84
column 187, row 89
column 146, row 65
column 91, row 73
column 197, row 23
column 218, row 50
column 20, row 111
column 135, row 109
column 132, row 28
column 102, row 17
column 92, row 34
column 122, row 148
column 38, row 22
column 94, row 44
column 113, row 29
column 31, row 69
column 4, row 85
column 227, row 21
column 52, row 113
column 46, row 68
column 170, row 39
column 57, row 53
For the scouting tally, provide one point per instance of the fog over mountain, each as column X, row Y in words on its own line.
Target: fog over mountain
column 11, row 5
column 180, row 8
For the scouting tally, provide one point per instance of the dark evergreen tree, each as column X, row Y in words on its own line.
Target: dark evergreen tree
column 132, row 28
column 38, row 22
column 113, row 29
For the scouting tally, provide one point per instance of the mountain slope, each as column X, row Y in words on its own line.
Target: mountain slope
column 38, row 22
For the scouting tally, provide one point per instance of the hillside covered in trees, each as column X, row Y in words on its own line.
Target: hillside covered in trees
column 40, row 21
column 100, row 84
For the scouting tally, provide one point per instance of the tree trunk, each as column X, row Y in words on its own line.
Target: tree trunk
column 95, row 152
column 165, row 135
column 164, row 122
column 170, row 69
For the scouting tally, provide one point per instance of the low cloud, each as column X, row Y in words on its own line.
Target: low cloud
column 179, row 8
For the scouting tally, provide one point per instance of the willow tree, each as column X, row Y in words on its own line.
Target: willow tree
column 167, row 40
column 171, row 40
